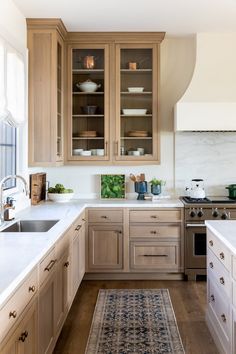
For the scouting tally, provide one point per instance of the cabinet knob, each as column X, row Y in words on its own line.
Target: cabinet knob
column 212, row 298
column 153, row 216
column 78, row 227
column 32, row 288
column 211, row 243
column 23, row 336
column 223, row 317
column 12, row 314
column 153, row 232
column 211, row 265
column 222, row 256
column 222, row 281
column 104, row 217
column 67, row 264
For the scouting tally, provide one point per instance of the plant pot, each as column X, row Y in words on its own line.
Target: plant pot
column 156, row 189
column 232, row 191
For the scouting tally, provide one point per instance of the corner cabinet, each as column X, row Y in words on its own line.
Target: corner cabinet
column 46, row 91
column 117, row 122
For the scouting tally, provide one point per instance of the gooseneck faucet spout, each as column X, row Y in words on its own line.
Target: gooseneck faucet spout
column 2, row 183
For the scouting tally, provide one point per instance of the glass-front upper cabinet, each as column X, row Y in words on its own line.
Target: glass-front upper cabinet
column 137, row 137
column 60, row 94
column 88, row 138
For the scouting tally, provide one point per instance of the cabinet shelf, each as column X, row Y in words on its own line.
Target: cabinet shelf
column 87, row 93
column 136, row 115
column 88, row 138
column 87, row 71
column 136, row 93
column 87, row 115
column 139, row 71
column 136, row 138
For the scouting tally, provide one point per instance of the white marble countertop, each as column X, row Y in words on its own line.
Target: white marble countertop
column 225, row 231
column 20, row 252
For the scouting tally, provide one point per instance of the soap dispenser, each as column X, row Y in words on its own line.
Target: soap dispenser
column 9, row 213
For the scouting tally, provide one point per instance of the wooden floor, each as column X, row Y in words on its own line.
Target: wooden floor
column 188, row 299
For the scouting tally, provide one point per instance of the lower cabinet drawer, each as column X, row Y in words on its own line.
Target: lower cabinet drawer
column 155, row 215
column 159, row 232
column 219, row 249
column 155, row 256
column 10, row 312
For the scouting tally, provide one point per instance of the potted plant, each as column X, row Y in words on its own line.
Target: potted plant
column 156, row 185
column 59, row 193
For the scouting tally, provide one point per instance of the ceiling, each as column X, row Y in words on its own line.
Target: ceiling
column 175, row 17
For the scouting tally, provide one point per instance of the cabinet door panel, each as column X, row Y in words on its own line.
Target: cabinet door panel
column 105, row 247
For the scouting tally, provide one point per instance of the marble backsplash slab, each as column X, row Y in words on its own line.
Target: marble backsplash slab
column 207, row 155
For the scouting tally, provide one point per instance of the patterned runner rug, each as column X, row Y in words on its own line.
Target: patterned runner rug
column 134, row 321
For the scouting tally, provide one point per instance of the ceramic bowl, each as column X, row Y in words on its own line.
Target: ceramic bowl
column 60, row 198
column 86, row 153
column 135, row 89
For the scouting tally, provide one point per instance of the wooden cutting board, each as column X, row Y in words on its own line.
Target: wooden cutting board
column 37, row 187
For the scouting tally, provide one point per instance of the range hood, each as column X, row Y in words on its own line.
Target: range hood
column 209, row 103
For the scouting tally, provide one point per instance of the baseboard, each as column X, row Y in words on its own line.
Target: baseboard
column 134, row 276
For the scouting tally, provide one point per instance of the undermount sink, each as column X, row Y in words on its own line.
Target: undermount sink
column 31, row 226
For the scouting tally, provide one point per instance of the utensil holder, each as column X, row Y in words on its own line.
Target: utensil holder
column 141, row 189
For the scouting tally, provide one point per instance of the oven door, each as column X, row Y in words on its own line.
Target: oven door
column 195, row 245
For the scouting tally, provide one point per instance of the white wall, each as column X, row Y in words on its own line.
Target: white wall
column 177, row 63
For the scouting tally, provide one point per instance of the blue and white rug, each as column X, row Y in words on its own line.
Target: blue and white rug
column 134, row 321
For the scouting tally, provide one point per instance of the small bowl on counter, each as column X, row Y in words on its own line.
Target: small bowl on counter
column 60, row 197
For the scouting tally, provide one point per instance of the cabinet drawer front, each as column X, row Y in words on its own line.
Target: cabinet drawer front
column 155, row 231
column 220, row 306
column 154, row 255
column 155, row 216
column 47, row 266
column 10, row 313
column 220, row 274
column 105, row 216
column 221, row 252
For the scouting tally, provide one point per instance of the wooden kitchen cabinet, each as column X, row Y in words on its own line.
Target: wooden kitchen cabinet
column 46, row 91
column 117, row 132
column 24, row 340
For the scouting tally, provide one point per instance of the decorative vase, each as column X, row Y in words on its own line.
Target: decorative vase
column 156, row 189
column 141, row 189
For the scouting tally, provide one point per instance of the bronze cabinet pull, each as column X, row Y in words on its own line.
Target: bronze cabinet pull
column 83, row 219
column 211, row 265
column 211, row 243
column 67, row 264
column 50, row 265
column 104, row 217
column 223, row 317
column 212, row 298
column 78, row 227
column 155, row 255
column 153, row 232
column 153, row 216
column 23, row 336
column 32, row 288
column 222, row 281
column 222, row 256
column 12, row 314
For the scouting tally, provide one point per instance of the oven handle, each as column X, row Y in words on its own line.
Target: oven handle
column 195, row 225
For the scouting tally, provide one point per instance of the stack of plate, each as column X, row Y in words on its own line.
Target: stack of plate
column 137, row 133
column 87, row 133
column 134, row 111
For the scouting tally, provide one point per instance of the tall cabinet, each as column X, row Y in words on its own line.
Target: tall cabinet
column 113, row 105
column 46, row 91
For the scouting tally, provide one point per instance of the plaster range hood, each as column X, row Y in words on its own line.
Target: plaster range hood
column 209, row 103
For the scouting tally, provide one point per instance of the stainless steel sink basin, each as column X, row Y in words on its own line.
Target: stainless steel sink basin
column 31, row 226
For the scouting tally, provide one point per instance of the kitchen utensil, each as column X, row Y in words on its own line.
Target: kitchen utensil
column 89, row 62
column 197, row 189
column 89, row 109
column 88, row 86
column 232, row 191
column 141, row 189
column 132, row 177
column 134, row 112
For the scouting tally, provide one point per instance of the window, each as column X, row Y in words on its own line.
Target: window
column 12, row 107
column 7, row 153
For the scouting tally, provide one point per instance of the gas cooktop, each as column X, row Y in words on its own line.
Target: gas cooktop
column 208, row 200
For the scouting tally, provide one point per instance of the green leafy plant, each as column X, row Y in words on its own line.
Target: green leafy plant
column 59, row 189
column 157, row 182
column 113, row 186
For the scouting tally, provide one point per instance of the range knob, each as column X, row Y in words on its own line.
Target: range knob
column 200, row 213
column 215, row 213
column 192, row 213
column 224, row 215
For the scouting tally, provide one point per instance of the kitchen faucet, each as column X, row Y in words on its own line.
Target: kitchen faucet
column 2, row 183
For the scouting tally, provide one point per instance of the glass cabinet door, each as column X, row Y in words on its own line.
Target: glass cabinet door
column 88, row 130
column 59, row 100
column 136, row 102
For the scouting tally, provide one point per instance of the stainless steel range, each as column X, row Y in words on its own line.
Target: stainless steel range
column 196, row 212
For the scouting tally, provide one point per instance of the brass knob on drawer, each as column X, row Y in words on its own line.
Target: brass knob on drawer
column 50, row 265
column 223, row 317
column 32, row 288
column 12, row 314
column 222, row 281
column 78, row 227
column 83, row 219
column 67, row 264
column 212, row 298
column 153, row 232
column 211, row 243
column 222, row 256
column 103, row 216
column 211, row 265
column 153, row 216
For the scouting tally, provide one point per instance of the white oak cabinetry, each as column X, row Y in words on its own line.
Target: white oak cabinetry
column 121, row 115
column 156, row 240
column 221, row 276
column 105, row 240
column 46, row 91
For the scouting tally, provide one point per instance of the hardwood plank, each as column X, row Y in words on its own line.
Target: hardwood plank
column 189, row 303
